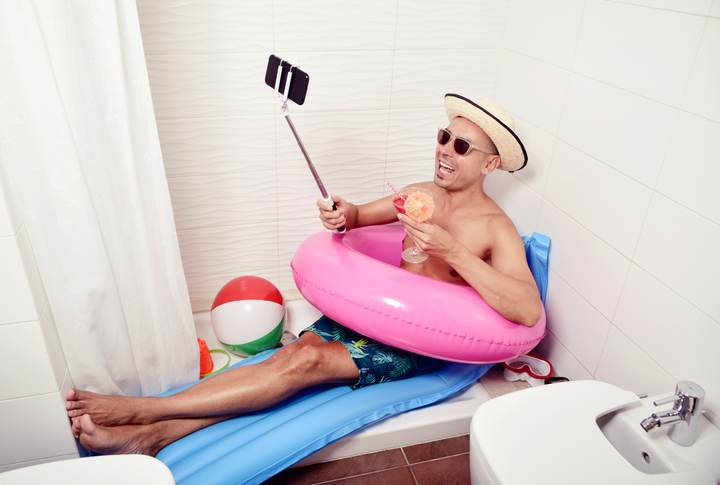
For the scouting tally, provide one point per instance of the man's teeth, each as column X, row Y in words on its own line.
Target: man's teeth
column 446, row 167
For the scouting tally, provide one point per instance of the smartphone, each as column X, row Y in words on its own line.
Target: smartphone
column 298, row 83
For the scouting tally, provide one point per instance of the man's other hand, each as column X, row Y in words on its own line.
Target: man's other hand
column 429, row 237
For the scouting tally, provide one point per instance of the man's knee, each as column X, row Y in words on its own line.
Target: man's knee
column 308, row 358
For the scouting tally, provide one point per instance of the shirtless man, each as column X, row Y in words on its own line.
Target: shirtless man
column 469, row 240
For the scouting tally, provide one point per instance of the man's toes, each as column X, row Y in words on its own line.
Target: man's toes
column 71, row 395
column 86, row 424
column 72, row 405
column 75, row 413
column 76, row 427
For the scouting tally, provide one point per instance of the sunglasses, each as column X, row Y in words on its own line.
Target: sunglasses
column 461, row 146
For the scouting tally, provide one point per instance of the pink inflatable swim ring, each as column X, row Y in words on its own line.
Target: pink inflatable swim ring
column 356, row 280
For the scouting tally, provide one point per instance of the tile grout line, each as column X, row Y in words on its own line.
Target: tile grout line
column 621, row 2
column 407, row 464
column 412, row 472
column 389, row 109
column 615, row 86
column 337, row 480
column 630, row 260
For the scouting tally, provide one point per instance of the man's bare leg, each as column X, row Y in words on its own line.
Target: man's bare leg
column 308, row 362
column 146, row 439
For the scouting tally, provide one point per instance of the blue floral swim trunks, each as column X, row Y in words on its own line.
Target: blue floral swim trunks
column 376, row 362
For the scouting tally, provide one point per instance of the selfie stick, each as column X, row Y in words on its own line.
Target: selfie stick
column 284, row 110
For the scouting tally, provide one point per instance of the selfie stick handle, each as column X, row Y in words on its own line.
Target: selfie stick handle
column 283, row 98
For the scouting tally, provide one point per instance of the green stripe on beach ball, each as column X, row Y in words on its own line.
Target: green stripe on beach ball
column 267, row 341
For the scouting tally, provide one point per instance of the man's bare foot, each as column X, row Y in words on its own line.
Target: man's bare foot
column 107, row 410
column 130, row 439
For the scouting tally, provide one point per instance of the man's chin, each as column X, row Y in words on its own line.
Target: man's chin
column 440, row 182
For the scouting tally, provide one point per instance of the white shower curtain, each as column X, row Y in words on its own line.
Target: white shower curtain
column 79, row 147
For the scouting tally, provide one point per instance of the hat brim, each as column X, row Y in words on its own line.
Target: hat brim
column 512, row 153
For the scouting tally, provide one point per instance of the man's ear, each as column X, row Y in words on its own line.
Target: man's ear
column 491, row 163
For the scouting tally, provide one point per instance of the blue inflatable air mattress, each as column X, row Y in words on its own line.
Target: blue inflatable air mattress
column 253, row 447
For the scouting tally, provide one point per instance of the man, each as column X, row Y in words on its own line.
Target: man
column 469, row 240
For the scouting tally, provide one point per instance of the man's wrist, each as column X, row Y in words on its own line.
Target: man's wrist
column 455, row 254
column 351, row 219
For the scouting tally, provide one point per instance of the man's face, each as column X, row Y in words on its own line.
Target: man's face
column 454, row 171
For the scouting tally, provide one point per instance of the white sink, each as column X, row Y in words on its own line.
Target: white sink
column 584, row 432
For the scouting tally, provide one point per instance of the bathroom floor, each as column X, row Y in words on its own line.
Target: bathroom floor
column 438, row 462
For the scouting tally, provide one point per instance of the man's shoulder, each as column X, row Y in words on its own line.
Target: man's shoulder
column 501, row 227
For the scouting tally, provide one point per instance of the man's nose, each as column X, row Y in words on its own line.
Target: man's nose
column 446, row 149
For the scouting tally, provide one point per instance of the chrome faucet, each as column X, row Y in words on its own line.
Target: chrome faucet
column 684, row 415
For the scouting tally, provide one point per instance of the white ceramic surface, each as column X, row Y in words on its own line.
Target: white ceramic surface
column 583, row 432
column 108, row 470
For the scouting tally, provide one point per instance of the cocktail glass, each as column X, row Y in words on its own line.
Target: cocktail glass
column 417, row 204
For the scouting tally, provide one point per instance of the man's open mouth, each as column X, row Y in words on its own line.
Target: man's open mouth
column 445, row 168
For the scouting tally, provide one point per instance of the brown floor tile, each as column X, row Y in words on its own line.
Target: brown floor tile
column 396, row 476
column 454, row 470
column 346, row 467
column 437, row 449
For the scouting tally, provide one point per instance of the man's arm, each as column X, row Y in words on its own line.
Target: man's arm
column 380, row 211
column 507, row 286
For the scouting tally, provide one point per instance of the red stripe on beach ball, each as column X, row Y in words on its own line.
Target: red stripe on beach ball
column 247, row 288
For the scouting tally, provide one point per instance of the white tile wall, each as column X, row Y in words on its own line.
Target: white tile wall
column 23, row 343
column 701, row 94
column 699, row 7
column 628, row 366
column 587, row 263
column 540, row 146
column 410, row 153
column 715, row 12
column 690, row 173
column 195, row 26
column 564, row 362
column 678, row 247
column 546, row 30
column 532, row 89
column 603, row 121
column 644, row 50
column 209, row 85
column 217, row 146
column 579, row 185
column 581, row 328
column 51, row 340
column 672, row 330
column 9, row 222
column 322, row 26
column 434, row 25
column 37, row 427
column 422, row 78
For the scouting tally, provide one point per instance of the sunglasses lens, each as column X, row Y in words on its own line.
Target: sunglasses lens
column 461, row 146
column 443, row 137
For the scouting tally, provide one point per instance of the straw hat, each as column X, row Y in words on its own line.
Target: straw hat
column 496, row 123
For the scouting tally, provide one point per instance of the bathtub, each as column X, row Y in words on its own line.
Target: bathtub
column 445, row 420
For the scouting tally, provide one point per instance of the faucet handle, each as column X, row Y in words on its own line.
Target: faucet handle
column 665, row 400
column 683, row 390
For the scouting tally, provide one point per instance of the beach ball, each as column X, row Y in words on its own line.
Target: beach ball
column 248, row 315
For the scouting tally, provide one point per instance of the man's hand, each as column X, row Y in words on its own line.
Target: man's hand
column 430, row 237
column 344, row 215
